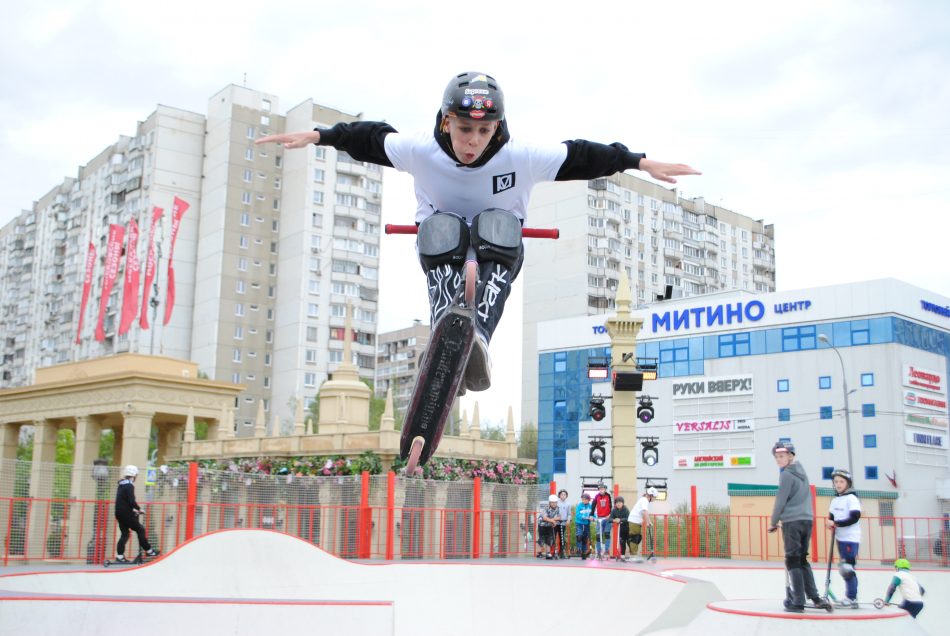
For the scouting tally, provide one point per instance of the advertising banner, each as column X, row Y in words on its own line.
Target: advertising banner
column 714, row 460
column 681, row 427
column 86, row 286
column 927, row 420
column 113, row 254
column 150, row 266
column 723, row 386
column 927, row 439
column 130, row 291
column 179, row 207
column 927, row 401
column 925, row 379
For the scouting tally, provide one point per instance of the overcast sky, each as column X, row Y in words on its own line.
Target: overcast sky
column 830, row 120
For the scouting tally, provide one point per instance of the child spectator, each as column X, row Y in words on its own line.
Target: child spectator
column 549, row 518
column 601, row 508
column 582, row 525
column 564, row 514
column 619, row 516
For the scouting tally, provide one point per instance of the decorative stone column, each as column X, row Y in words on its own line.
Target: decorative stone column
column 88, row 431
column 510, row 438
column 169, row 442
column 388, row 435
column 344, row 400
column 136, row 429
column 623, row 329
column 9, row 440
column 41, row 486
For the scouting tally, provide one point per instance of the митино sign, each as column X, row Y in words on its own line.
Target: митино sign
column 720, row 315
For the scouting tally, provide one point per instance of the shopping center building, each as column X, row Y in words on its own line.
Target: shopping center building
column 737, row 372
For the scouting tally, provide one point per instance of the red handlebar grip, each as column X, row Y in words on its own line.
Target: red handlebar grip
column 527, row 232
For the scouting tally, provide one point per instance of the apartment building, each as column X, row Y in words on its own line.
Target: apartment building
column 271, row 251
column 397, row 357
column 626, row 224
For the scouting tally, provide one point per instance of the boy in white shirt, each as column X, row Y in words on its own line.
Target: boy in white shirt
column 640, row 521
column 844, row 515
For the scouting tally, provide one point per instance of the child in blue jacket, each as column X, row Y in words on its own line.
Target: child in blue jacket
column 582, row 525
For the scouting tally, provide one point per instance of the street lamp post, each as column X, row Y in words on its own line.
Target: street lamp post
column 844, row 392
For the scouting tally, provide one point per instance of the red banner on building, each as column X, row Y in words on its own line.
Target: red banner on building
column 113, row 255
column 150, row 265
column 130, row 292
column 86, row 286
column 178, row 210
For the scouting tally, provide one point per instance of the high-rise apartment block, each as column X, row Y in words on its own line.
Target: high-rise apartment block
column 267, row 253
column 626, row 224
column 397, row 362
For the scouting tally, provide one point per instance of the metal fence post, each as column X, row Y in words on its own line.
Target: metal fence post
column 476, row 516
column 366, row 517
column 192, row 500
column 391, row 511
column 814, row 533
column 694, row 523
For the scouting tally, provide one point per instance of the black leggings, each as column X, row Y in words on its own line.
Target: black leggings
column 127, row 524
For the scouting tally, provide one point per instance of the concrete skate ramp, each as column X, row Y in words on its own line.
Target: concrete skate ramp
column 769, row 583
column 262, row 575
column 761, row 617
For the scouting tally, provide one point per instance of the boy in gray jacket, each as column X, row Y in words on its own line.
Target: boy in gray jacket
column 793, row 507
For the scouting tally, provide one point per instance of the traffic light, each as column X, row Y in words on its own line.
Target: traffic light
column 649, row 451
column 597, row 454
column 597, row 411
column 645, row 410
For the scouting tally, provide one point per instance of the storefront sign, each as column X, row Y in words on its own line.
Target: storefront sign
column 923, row 401
column 714, row 460
column 925, row 419
column 714, row 387
column 708, row 316
column 712, row 426
column 935, row 308
column 917, row 378
column 928, row 439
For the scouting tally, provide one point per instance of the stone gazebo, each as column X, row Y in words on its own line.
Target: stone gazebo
column 127, row 393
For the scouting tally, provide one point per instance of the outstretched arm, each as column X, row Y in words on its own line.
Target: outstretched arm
column 292, row 140
column 666, row 171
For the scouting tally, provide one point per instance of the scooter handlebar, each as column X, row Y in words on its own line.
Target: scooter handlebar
column 526, row 232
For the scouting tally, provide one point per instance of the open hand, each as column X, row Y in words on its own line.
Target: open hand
column 666, row 171
column 291, row 140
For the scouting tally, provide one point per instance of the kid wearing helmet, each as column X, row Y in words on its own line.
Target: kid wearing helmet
column 844, row 513
column 582, row 525
column 127, row 513
column 911, row 591
column 620, row 516
column 640, row 522
column 472, row 184
column 793, row 508
column 549, row 518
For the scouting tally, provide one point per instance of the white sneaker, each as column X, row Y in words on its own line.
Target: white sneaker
column 638, row 559
column 846, row 603
column 478, row 371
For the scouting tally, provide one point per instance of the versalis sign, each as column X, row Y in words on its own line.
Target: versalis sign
column 712, row 426
column 714, row 460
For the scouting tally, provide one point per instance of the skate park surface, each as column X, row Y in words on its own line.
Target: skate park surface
column 253, row 581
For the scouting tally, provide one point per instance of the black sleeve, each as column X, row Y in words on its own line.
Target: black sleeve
column 363, row 140
column 852, row 519
column 590, row 160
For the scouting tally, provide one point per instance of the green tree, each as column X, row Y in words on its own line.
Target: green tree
column 528, row 441
column 494, row 432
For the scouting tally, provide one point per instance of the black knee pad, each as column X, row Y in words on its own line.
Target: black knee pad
column 793, row 562
column 442, row 238
column 496, row 236
column 636, row 538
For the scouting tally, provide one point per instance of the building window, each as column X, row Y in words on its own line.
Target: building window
column 826, row 412
column 886, row 511
column 798, row 338
column 734, row 344
column 248, row 175
column 238, row 309
column 867, row 410
column 870, row 441
column 313, row 310
column 266, row 362
column 238, row 332
column 237, row 356
column 870, row 472
column 311, row 334
column 266, row 381
column 784, row 415
column 824, row 382
column 311, row 356
column 827, row 442
column 246, row 198
column 319, row 152
column 867, row 379
column 560, row 362
column 826, row 471
column 310, row 380
column 782, row 386
column 250, row 132
column 236, row 378
column 239, row 286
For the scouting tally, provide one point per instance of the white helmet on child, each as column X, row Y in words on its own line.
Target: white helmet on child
column 653, row 492
column 131, row 471
column 552, row 499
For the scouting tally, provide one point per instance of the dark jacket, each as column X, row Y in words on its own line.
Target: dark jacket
column 125, row 504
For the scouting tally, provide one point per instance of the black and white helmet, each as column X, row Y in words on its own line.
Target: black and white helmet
column 474, row 96
column 844, row 474
column 785, row 446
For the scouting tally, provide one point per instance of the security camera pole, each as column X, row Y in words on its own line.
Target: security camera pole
column 623, row 329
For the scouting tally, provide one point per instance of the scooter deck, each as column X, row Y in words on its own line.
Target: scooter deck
column 440, row 375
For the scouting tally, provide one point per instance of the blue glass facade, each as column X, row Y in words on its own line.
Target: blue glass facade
column 564, row 390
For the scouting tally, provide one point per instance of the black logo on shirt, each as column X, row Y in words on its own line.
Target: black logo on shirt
column 503, row 182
